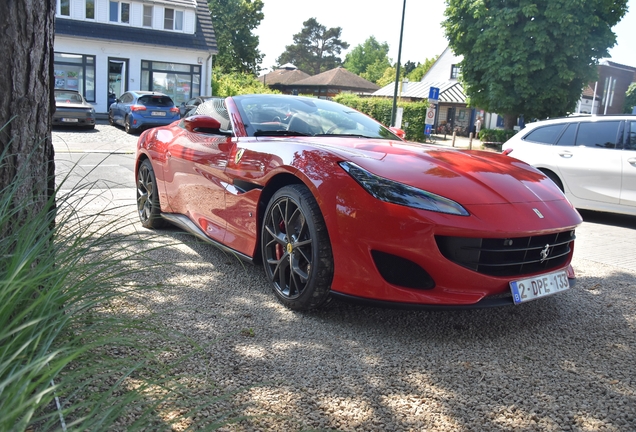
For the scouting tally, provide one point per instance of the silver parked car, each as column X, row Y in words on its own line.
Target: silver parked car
column 72, row 110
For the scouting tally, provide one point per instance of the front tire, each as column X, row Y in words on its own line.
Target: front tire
column 111, row 121
column 296, row 249
column 148, row 205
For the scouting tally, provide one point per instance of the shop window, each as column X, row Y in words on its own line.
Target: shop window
column 90, row 9
column 179, row 81
column 75, row 72
column 172, row 19
column 64, row 8
column 148, row 15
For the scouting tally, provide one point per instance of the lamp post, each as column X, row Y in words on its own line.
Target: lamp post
column 397, row 72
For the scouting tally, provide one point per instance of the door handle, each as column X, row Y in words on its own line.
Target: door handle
column 632, row 161
column 565, row 154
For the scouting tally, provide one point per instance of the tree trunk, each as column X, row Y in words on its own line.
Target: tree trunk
column 510, row 121
column 26, row 104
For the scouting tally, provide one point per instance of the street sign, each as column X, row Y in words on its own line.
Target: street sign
column 433, row 95
column 430, row 116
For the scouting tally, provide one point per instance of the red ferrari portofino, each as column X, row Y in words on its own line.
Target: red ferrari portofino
column 334, row 204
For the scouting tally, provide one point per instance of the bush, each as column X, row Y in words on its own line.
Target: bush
column 495, row 135
column 414, row 113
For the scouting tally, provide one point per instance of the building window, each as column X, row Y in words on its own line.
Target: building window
column 455, row 70
column 178, row 20
column 64, row 7
column 90, row 9
column 179, row 81
column 147, row 16
column 75, row 72
column 172, row 20
column 119, row 12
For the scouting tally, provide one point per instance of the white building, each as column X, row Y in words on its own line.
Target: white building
column 105, row 47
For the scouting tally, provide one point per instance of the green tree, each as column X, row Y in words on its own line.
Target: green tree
column 233, row 22
column 530, row 57
column 387, row 77
column 417, row 73
column 630, row 98
column 370, row 58
column 315, row 48
column 236, row 83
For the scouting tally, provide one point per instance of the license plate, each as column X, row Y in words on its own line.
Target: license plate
column 158, row 113
column 70, row 120
column 539, row 286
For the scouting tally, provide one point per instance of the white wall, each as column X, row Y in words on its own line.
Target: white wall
column 102, row 50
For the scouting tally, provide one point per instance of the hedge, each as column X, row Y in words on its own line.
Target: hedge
column 495, row 135
column 380, row 109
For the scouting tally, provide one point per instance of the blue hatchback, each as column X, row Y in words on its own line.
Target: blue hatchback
column 136, row 110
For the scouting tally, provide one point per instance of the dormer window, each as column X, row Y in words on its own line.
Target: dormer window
column 147, row 16
column 173, row 19
column 120, row 12
column 90, row 9
column 455, row 71
column 64, row 7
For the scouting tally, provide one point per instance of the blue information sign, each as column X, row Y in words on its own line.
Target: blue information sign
column 433, row 94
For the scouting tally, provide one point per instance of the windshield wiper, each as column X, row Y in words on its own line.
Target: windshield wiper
column 279, row 133
column 345, row 135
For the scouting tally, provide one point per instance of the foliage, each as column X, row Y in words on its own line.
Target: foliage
column 418, row 72
column 375, row 72
column 369, row 60
column 413, row 117
column 234, row 21
column 496, row 135
column 315, row 48
column 630, row 98
column 530, row 57
column 235, row 83
column 387, row 77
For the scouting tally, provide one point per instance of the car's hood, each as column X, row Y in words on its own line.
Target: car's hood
column 468, row 177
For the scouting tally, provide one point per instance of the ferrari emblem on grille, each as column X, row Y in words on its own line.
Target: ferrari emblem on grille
column 545, row 252
column 538, row 213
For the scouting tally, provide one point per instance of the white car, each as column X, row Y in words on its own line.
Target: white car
column 592, row 159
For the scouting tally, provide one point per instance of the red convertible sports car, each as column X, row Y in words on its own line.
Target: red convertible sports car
column 334, row 204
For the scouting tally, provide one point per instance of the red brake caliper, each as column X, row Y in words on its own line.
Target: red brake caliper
column 279, row 248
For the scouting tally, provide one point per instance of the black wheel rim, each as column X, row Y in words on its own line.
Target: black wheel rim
column 145, row 196
column 288, row 248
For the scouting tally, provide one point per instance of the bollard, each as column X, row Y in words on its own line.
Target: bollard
column 454, row 135
column 470, row 141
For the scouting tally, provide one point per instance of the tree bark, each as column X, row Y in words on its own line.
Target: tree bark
column 510, row 121
column 27, row 104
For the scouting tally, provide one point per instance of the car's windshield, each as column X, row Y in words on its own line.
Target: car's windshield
column 281, row 115
column 155, row 101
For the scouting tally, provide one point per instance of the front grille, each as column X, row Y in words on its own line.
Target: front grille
column 508, row 256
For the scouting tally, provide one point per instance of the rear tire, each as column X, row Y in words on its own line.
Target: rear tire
column 148, row 206
column 129, row 128
column 296, row 249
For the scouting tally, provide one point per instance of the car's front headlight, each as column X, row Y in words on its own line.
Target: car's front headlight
column 399, row 193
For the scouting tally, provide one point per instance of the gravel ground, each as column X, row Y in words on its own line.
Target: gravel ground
column 560, row 363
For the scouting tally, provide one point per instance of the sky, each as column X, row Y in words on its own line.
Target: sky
column 423, row 36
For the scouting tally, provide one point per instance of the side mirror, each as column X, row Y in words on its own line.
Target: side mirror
column 399, row 132
column 182, row 104
column 202, row 122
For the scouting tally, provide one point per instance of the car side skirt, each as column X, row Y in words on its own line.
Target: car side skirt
column 186, row 224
